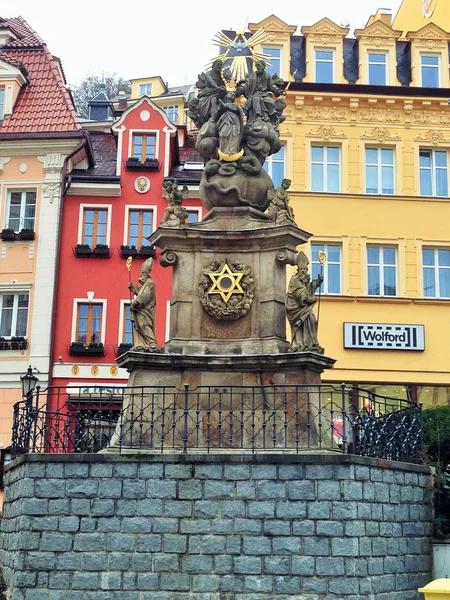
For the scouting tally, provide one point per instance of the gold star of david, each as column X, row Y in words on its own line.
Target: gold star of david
column 226, row 283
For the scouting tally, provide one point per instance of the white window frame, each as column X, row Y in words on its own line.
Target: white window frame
column 314, row 259
column 438, row 67
column 435, row 268
column 123, row 303
column 270, row 161
column 16, row 292
column 386, row 66
column 76, row 302
column 2, row 102
column 23, row 191
column 175, row 108
column 380, row 169
column 107, row 207
column 381, row 266
column 316, row 60
column 195, row 209
column 126, row 220
column 325, row 164
column 145, row 85
column 277, row 59
column 433, row 170
column 134, row 132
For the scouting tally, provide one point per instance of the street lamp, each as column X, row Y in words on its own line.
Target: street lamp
column 29, row 382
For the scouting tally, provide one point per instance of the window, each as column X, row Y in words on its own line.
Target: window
column 193, row 215
column 143, row 146
column 381, row 271
column 89, row 323
column 324, row 66
column 139, row 227
column 275, row 166
column 430, row 70
column 2, row 103
column 325, row 169
column 14, row 315
column 145, row 89
column 377, row 68
column 95, row 221
column 436, row 272
column 21, row 209
column 274, row 59
column 379, row 171
column 127, row 333
column 433, row 173
column 172, row 113
column 331, row 269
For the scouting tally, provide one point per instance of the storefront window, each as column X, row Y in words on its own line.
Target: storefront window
column 431, row 396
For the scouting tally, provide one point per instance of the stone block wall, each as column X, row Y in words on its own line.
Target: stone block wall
column 222, row 527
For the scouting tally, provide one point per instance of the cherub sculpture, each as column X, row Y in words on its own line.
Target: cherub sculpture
column 175, row 214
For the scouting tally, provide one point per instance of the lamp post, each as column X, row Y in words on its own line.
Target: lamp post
column 29, row 382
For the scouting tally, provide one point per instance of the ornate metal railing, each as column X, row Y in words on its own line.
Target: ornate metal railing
column 224, row 418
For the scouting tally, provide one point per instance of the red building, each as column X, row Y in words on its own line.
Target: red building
column 110, row 208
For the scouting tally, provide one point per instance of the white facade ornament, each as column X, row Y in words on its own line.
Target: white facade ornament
column 3, row 161
column 428, row 7
column 142, row 185
column 145, row 115
column 23, row 167
column 51, row 190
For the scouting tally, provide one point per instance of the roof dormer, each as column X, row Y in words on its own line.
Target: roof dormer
column 325, row 52
column 12, row 78
column 6, row 35
column 429, row 57
column 276, row 45
column 377, row 53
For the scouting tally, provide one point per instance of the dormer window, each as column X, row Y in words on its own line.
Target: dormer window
column 324, row 63
column 429, row 64
column 377, row 62
column 145, row 89
column 144, row 146
column 2, row 103
column 6, row 36
column 274, row 59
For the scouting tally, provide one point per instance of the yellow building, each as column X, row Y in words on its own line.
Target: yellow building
column 366, row 144
column 172, row 100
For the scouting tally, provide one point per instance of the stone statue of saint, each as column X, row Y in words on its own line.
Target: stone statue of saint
column 230, row 127
column 143, row 310
column 279, row 209
column 259, row 89
column 300, row 301
column 175, row 214
column 212, row 88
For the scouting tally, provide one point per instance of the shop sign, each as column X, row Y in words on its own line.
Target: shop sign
column 384, row 336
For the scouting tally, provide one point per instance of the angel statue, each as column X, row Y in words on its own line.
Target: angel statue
column 175, row 214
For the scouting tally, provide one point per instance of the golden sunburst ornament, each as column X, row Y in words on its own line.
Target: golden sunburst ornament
column 225, row 283
column 239, row 49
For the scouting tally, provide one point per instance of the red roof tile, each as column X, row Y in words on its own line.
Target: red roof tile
column 44, row 103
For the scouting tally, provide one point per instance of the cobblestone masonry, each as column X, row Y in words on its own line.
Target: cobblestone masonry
column 270, row 527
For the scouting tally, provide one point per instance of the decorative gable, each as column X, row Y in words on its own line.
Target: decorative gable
column 325, row 27
column 12, row 78
column 430, row 31
column 272, row 23
column 378, row 29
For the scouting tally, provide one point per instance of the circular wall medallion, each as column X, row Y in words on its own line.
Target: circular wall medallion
column 94, row 371
column 75, row 370
column 226, row 290
column 23, row 167
column 142, row 185
column 145, row 115
column 114, row 371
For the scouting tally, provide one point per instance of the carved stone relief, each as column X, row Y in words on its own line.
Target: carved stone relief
column 325, row 132
column 380, row 134
column 432, row 118
column 380, row 115
column 326, row 113
column 226, row 290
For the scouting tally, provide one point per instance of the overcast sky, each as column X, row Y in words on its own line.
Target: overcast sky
column 160, row 37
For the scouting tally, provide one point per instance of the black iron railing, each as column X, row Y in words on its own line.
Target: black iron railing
column 224, row 418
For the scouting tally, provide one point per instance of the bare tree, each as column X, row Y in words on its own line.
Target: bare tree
column 90, row 87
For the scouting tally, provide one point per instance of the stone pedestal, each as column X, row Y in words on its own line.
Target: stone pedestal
column 240, row 236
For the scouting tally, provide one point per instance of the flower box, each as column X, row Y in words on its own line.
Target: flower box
column 82, row 251
column 8, row 235
column 79, row 349
column 147, row 251
column 126, row 251
column 123, row 348
column 15, row 343
column 26, row 234
column 101, row 251
column 151, row 164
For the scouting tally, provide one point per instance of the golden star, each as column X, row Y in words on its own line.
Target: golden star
column 225, row 283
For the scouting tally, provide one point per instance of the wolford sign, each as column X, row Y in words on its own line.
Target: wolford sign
column 384, row 336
